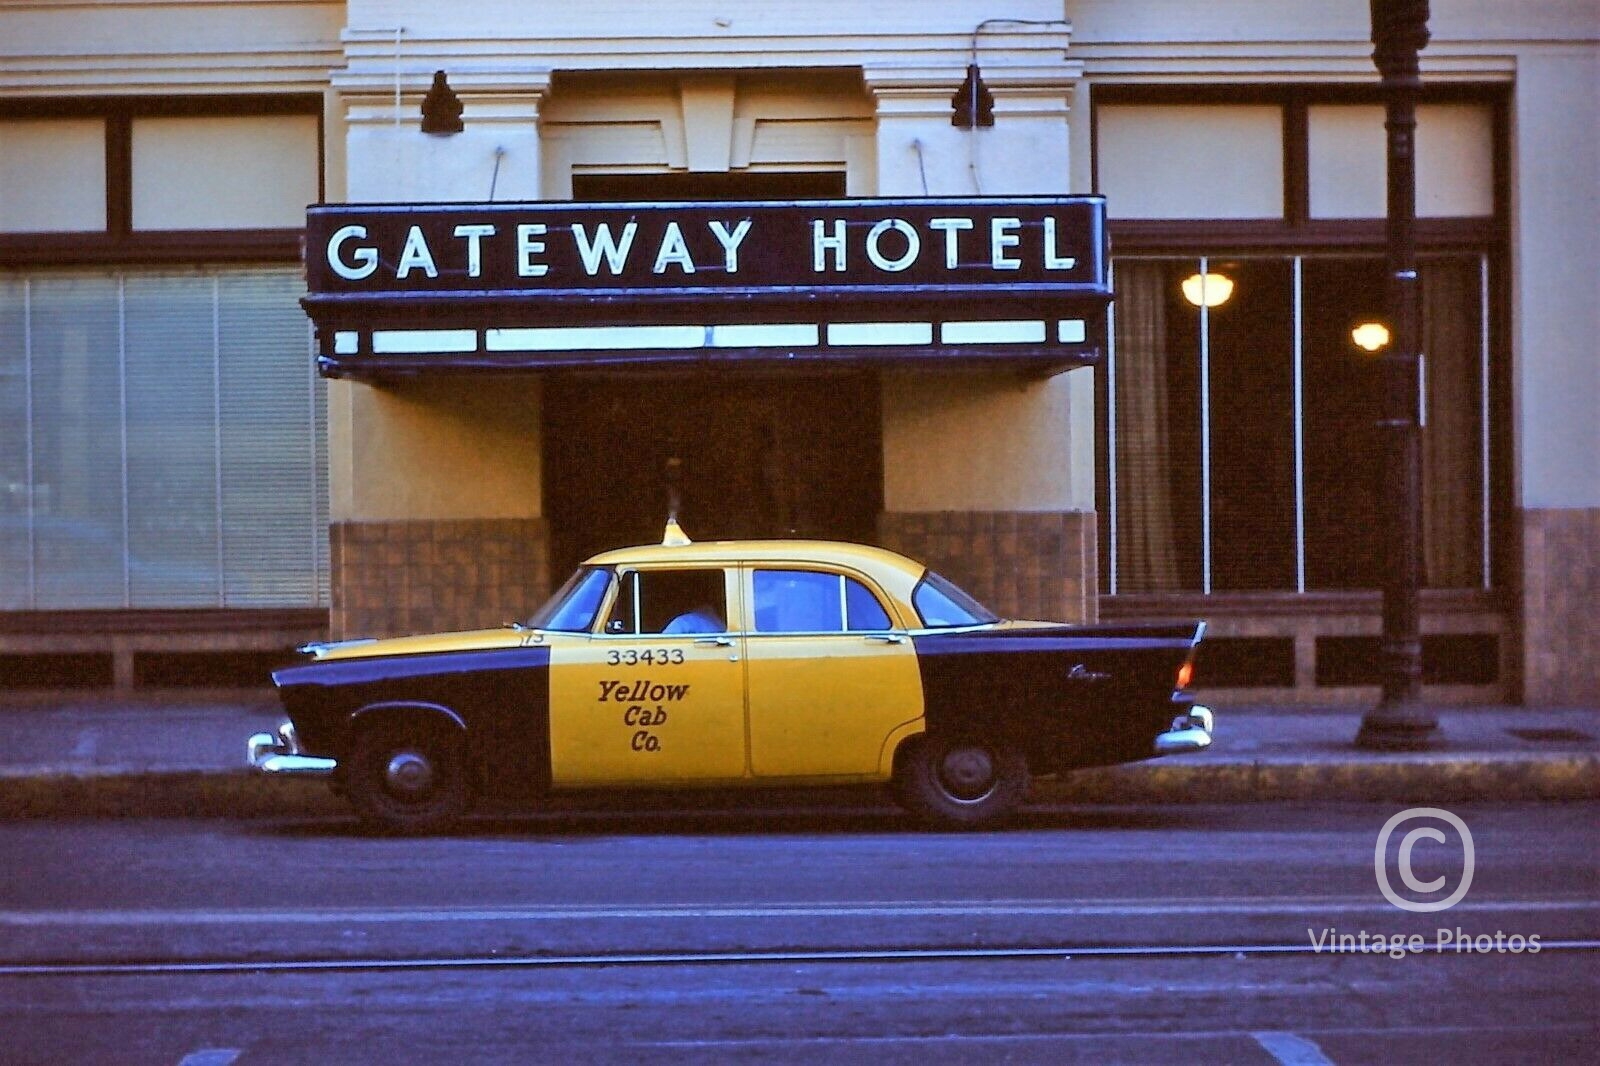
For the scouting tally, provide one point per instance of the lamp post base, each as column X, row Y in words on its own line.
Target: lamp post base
column 1398, row 727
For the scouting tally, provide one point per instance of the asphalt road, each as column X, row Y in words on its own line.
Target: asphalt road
column 1203, row 934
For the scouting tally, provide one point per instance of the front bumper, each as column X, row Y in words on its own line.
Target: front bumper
column 1191, row 731
column 281, row 756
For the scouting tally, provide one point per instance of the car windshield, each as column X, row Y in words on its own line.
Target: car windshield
column 573, row 607
column 942, row 604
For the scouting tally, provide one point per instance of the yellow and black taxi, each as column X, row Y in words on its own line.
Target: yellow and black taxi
column 738, row 663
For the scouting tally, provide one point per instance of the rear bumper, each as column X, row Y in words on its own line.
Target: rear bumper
column 281, row 755
column 1191, row 731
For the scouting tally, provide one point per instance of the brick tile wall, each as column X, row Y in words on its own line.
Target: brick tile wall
column 1023, row 564
column 393, row 578
column 1561, row 606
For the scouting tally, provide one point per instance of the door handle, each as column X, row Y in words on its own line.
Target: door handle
column 885, row 638
column 714, row 642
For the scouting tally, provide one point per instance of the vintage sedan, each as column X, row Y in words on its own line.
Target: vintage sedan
column 739, row 663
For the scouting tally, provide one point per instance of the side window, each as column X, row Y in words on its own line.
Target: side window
column 669, row 602
column 804, row 601
column 862, row 609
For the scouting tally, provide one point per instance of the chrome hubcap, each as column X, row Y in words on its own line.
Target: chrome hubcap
column 409, row 772
column 967, row 773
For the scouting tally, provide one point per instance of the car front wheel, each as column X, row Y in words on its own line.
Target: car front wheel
column 406, row 779
column 961, row 782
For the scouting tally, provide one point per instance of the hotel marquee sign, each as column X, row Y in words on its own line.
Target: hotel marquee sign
column 478, row 274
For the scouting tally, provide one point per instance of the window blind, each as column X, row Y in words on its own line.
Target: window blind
column 162, row 441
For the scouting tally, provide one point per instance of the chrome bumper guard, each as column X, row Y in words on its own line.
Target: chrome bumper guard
column 280, row 755
column 1189, row 732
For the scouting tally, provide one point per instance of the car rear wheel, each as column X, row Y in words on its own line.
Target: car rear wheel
column 407, row 778
column 960, row 782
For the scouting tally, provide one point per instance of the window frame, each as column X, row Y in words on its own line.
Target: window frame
column 885, row 603
column 625, row 578
column 119, row 244
column 1297, row 229
column 1298, row 235
column 1207, row 568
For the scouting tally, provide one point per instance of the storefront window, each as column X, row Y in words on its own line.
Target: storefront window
column 1239, row 444
column 1342, row 442
column 162, row 441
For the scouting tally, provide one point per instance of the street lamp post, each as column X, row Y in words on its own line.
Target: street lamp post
column 1400, row 721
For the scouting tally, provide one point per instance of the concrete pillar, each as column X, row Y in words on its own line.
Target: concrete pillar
column 1556, row 320
column 987, row 477
column 436, row 516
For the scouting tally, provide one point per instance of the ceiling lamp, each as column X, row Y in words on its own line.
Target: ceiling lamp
column 1207, row 290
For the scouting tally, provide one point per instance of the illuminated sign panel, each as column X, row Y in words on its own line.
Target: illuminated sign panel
column 398, row 286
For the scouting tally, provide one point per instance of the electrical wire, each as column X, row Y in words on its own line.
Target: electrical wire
column 972, row 152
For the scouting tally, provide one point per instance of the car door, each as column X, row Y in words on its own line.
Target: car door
column 657, row 695
column 830, row 674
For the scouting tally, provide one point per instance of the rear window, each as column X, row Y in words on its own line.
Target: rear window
column 942, row 604
column 809, row 601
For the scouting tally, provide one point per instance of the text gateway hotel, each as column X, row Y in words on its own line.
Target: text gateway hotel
column 828, row 247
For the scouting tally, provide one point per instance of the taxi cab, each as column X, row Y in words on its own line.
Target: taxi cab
column 736, row 663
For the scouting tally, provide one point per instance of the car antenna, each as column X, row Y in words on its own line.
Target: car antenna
column 674, row 535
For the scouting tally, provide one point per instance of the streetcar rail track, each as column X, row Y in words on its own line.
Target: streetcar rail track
column 708, row 958
column 1312, row 906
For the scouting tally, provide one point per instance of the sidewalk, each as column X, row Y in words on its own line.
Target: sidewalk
column 186, row 756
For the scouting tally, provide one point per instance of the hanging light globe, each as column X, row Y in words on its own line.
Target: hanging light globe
column 1207, row 290
column 1370, row 336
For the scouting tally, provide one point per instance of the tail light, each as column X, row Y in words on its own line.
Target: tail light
column 1185, row 675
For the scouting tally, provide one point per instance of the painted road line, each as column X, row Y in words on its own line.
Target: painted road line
column 1081, row 1037
column 1291, row 1049
column 211, row 1056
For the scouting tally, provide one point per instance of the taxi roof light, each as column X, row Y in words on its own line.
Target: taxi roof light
column 674, row 536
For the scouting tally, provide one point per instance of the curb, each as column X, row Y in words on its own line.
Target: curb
column 1375, row 779
column 114, row 793
column 162, row 794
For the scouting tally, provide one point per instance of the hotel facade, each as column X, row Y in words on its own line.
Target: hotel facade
column 198, row 470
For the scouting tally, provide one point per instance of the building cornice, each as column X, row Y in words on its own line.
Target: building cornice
column 244, row 70
column 1277, row 62
column 1008, row 58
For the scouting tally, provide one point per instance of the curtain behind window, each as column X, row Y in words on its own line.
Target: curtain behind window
column 1147, row 553
column 1451, row 439
column 1254, row 497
